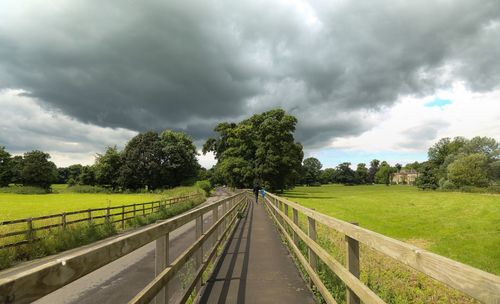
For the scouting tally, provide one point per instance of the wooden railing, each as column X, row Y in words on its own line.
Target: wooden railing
column 476, row 283
column 23, row 231
column 25, row 285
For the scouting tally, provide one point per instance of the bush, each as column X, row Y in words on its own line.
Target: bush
column 88, row 189
column 25, row 190
column 205, row 186
column 448, row 185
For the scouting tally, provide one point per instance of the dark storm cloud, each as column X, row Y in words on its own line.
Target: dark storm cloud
column 188, row 64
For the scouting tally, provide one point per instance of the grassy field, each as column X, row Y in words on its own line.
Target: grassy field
column 15, row 206
column 461, row 226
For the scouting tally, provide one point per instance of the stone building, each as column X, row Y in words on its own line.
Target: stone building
column 405, row 177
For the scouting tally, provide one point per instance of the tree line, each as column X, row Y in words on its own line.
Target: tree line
column 150, row 160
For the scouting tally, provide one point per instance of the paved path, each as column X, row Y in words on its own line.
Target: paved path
column 256, row 267
column 121, row 280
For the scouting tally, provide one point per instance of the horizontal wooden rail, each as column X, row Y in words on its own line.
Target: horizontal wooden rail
column 479, row 284
column 142, row 207
column 150, row 291
column 27, row 285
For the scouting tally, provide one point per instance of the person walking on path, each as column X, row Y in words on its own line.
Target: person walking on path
column 263, row 193
column 256, row 190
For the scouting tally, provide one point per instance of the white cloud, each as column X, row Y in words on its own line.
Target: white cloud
column 410, row 126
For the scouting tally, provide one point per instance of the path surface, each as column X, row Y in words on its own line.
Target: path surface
column 256, row 267
column 121, row 280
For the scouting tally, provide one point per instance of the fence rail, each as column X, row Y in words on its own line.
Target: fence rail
column 476, row 283
column 18, row 235
column 25, row 285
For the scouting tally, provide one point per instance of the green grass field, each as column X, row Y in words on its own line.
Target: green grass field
column 462, row 226
column 16, row 206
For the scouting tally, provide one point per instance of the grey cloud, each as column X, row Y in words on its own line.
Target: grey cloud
column 188, row 64
column 420, row 137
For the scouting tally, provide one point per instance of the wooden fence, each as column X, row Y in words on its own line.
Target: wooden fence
column 476, row 283
column 24, row 231
column 25, row 285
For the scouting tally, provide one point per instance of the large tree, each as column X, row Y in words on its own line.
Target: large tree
column 37, row 170
column 328, row 176
column 5, row 167
column 372, row 171
column 383, row 175
column 362, row 173
column 311, row 170
column 142, row 159
column 107, row 167
column 261, row 148
column 345, row 175
column 179, row 162
column 469, row 170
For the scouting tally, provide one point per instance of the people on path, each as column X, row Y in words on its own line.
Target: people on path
column 263, row 193
column 256, row 190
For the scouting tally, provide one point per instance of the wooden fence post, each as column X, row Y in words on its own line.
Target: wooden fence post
column 30, row 230
column 199, row 253
column 143, row 209
column 313, row 259
column 215, row 218
column 134, row 209
column 63, row 220
column 107, row 215
column 89, row 213
column 352, row 264
column 123, row 217
column 161, row 262
column 296, row 222
column 286, row 210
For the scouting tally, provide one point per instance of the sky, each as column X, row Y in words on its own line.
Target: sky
column 366, row 79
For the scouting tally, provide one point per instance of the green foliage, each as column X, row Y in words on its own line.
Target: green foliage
column 88, row 189
column 205, row 186
column 24, row 190
column 362, row 173
column 345, row 175
column 383, row 175
column 107, row 168
column 469, row 170
column 37, row 170
column 261, row 148
column 5, row 168
column 427, row 178
column 155, row 160
column 311, row 170
column 374, row 164
column 87, row 176
column 327, row 176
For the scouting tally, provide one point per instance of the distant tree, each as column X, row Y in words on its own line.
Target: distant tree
column 107, row 168
column 62, row 175
column 398, row 167
column 17, row 168
column 5, row 167
column 87, row 176
column 486, row 146
column 383, row 175
column 311, row 169
column 74, row 172
column 179, row 163
column 362, row 173
column 142, row 159
column 345, row 175
column 427, row 178
column 469, row 170
column 327, row 176
column 37, row 170
column 374, row 164
column 443, row 153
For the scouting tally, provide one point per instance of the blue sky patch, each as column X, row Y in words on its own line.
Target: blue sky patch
column 438, row 102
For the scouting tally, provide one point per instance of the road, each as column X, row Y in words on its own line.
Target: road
column 121, row 280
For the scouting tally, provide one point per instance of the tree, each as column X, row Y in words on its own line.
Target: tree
column 142, row 159
column 373, row 170
column 5, row 168
column 179, row 162
column 469, row 170
column 107, row 168
column 17, row 168
column 327, row 176
column 427, row 178
column 362, row 173
column 383, row 175
column 87, row 176
column 398, row 167
column 260, row 148
column 37, row 170
column 62, row 175
column 345, row 175
column 311, row 170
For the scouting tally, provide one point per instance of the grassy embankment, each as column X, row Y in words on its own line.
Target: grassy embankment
column 16, row 206
column 462, row 226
